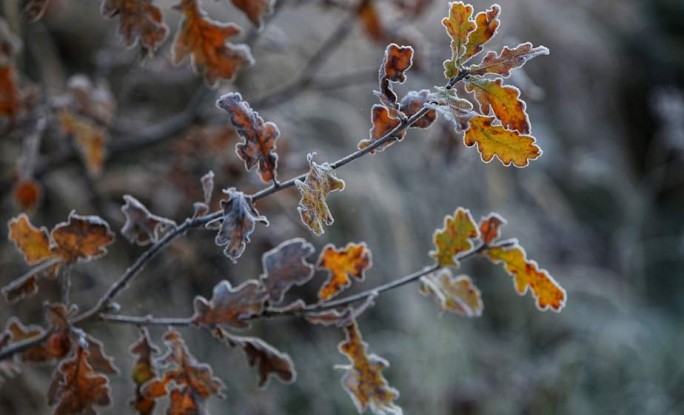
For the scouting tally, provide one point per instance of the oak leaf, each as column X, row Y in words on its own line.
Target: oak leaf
column 383, row 123
column 489, row 228
column 90, row 140
column 141, row 226
column 237, row 223
column 143, row 370
column 487, row 23
column 285, row 266
column 458, row 26
column 396, row 61
column 56, row 345
column 456, row 110
column 503, row 100
column 97, row 357
column 413, row 102
column 319, row 182
column 139, row 20
column 255, row 10
column 494, row 140
column 342, row 265
column 259, row 137
column 363, row 379
column 206, row 42
column 526, row 274
column 231, row 306
column 454, row 238
column 455, row 294
column 32, row 242
column 507, row 60
column 81, row 238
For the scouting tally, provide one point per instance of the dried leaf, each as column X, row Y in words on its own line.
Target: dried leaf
column 236, row 224
column 143, row 370
column 489, row 228
column 342, row 265
column 383, row 124
column 202, row 208
column 396, row 61
column 458, row 26
column 526, row 274
column 363, row 380
column 269, row 361
column 454, row 238
column 21, row 288
column 90, row 140
column 138, row 20
column 27, row 193
column 56, row 346
column 508, row 60
column 82, row 238
column 98, row 359
column 494, row 140
column 503, row 100
column 206, row 42
column 413, row 102
column 285, row 266
column 259, row 136
column 487, row 23
column 455, row 294
column 231, row 306
column 141, row 226
column 319, row 182
column 457, row 111
column 32, row 242
column 76, row 387
column 255, row 10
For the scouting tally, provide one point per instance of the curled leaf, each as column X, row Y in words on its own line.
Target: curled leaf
column 494, row 140
column 454, row 294
column 236, row 224
column 503, row 100
column 313, row 208
column 342, row 265
column 138, row 20
column 413, row 102
column 82, row 238
column 454, row 238
column 231, row 306
column 141, row 226
column 395, row 63
column 285, row 266
column 508, row 60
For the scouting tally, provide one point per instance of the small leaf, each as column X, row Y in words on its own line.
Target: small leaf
column 342, row 265
column 11, row 104
column 90, row 140
column 383, row 124
column 141, row 226
column 27, row 194
column 269, row 361
column 489, row 228
column 487, row 23
column 32, row 242
column 396, row 61
column 454, row 294
column 312, row 207
column 458, row 26
column 503, row 100
column 202, row 208
column 82, row 238
column 143, row 370
column 259, row 136
column 454, row 238
column 56, row 346
column 76, row 387
column 231, row 306
column 206, row 42
column 494, row 140
column 508, row 60
column 285, row 266
column 21, row 288
column 255, row 10
column 236, row 224
column 98, row 359
column 363, row 379
column 413, row 102
column 138, row 20
column 526, row 274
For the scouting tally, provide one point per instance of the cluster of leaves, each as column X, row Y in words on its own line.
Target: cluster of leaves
column 80, row 381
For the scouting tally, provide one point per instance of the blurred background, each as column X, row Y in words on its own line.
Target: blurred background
column 602, row 210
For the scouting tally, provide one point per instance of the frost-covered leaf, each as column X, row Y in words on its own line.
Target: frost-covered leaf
column 319, row 182
column 454, row 238
column 97, row 357
column 503, row 100
column 396, row 61
column 458, row 26
column 143, row 370
column 507, row 60
column 487, row 22
column 413, row 102
column 141, row 226
column 454, row 294
column 383, row 123
column 494, row 140
column 139, row 20
column 489, row 228
column 342, row 265
column 32, row 242
column 285, row 266
column 340, row 318
column 81, row 238
column 231, row 306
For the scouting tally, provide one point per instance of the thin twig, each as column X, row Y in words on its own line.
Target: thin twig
column 146, row 320
column 20, row 346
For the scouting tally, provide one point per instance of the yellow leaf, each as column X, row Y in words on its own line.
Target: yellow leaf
column 350, row 261
column 503, row 100
column 454, row 237
column 494, row 140
column 487, row 23
column 458, row 25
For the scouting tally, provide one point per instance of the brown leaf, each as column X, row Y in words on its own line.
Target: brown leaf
column 138, row 20
column 82, row 238
column 27, row 193
column 21, row 288
column 455, row 294
column 503, row 100
column 255, row 10
column 363, row 379
column 32, row 242
column 202, row 208
column 489, row 228
column 236, row 224
column 231, row 306
column 494, row 140
column 285, row 266
column 142, row 227
column 383, row 124
column 343, row 264
column 98, row 359
column 259, row 136
column 143, row 370
column 413, row 102
column 206, row 42
column 487, row 23
column 269, row 361
column 313, row 208
column 76, row 387
column 396, row 61
column 454, row 238
column 90, row 140
column 340, row 318
column 508, row 60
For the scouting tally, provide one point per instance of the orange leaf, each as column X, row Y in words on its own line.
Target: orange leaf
column 142, row 227
column 32, row 242
column 454, row 237
column 371, row 22
column 396, row 61
column 206, row 41
column 383, row 124
column 508, row 60
column 458, row 25
column 81, row 238
column 526, row 274
column 351, row 261
column 319, row 182
column 494, row 140
column 236, row 224
column 455, row 294
column 413, row 102
column 143, row 370
column 138, row 20
column 255, row 10
column 21, row 288
column 269, row 361
column 27, row 194
column 76, row 387
column 259, row 136
column 503, row 100
column 489, row 228
column 285, row 266
column 487, row 23
column 363, row 379
column 90, row 140
column 11, row 103
column 231, row 306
